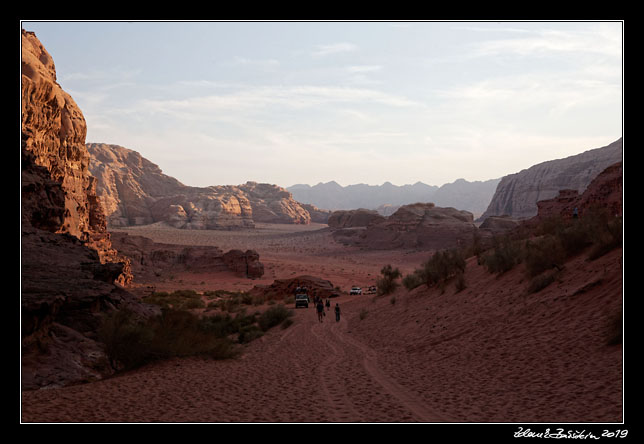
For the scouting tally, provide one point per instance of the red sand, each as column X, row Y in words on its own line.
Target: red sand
column 486, row 354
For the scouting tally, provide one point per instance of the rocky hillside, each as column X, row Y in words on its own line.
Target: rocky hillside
column 517, row 194
column 134, row 191
column 68, row 265
column 420, row 225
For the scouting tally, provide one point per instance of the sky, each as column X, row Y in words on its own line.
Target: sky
column 282, row 102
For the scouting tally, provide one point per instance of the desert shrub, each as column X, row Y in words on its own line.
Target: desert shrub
column 249, row 333
column 387, row 282
column 542, row 254
column 413, row 280
column 126, row 339
column 178, row 333
column 275, row 315
column 608, row 240
column 442, row 266
column 504, row 255
column 178, row 300
column 131, row 342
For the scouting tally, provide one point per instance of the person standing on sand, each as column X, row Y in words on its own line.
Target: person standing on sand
column 320, row 308
column 337, row 312
column 328, row 303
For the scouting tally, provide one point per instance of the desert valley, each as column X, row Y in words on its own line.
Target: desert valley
column 144, row 299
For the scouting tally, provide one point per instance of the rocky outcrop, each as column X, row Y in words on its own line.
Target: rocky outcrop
column 280, row 288
column 517, row 194
column 58, row 193
column 273, row 204
column 499, row 224
column 604, row 192
column 354, row 218
column 134, row 191
column 150, row 259
column 318, row 215
column 68, row 265
column 420, row 225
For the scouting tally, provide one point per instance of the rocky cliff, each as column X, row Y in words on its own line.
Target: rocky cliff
column 151, row 258
column 517, row 194
column 420, row 225
column 68, row 265
column 134, row 191
column 353, row 218
column 603, row 193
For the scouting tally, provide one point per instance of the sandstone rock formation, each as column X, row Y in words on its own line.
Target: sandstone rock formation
column 280, row 288
column 353, row 218
column 58, row 193
column 151, row 258
column 420, row 225
column 68, row 265
column 499, row 224
column 134, row 191
column 604, row 192
column 517, row 194
column 318, row 215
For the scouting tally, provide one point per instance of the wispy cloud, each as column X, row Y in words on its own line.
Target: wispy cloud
column 334, row 48
column 256, row 99
column 605, row 40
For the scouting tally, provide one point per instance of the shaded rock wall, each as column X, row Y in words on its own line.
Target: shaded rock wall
column 517, row 194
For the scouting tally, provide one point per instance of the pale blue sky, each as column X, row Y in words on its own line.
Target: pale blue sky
column 356, row 102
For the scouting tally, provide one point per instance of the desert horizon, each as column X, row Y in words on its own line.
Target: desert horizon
column 174, row 276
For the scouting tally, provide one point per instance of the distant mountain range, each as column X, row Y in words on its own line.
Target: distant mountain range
column 460, row 194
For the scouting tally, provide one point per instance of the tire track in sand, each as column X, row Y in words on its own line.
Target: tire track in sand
column 343, row 348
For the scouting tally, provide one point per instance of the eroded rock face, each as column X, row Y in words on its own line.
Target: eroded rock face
column 315, row 286
column 134, row 191
column 58, row 193
column 151, row 258
column 604, row 192
column 354, row 218
column 517, row 194
column 421, row 225
column 68, row 265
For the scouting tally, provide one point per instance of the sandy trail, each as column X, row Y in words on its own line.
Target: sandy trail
column 309, row 372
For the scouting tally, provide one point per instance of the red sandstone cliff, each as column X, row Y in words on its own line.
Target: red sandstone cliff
column 68, row 266
column 134, row 191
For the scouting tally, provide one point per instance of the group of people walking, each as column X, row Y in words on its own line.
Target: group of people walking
column 319, row 307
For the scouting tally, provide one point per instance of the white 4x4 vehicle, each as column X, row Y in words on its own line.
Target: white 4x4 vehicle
column 356, row 290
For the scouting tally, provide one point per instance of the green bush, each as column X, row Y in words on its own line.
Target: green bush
column 413, row 280
column 505, row 254
column 275, row 315
column 387, row 283
column 131, row 342
column 543, row 254
column 178, row 300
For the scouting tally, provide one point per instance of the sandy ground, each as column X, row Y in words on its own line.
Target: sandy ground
column 489, row 353
column 286, row 251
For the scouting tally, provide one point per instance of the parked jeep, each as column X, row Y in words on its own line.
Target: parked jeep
column 302, row 300
column 356, row 290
